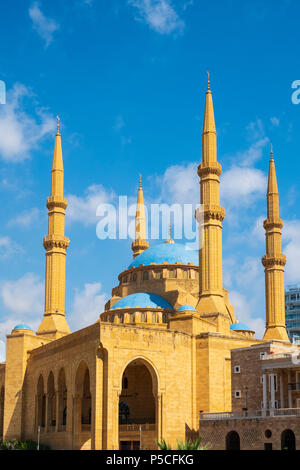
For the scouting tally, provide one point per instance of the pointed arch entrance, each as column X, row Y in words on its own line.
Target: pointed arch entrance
column 139, row 406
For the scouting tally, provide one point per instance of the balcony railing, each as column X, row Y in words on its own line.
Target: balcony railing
column 137, row 427
column 250, row 414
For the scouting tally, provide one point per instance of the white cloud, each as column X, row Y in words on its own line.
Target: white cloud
column 253, row 153
column 244, row 313
column 2, row 351
column 119, row 123
column 8, row 247
column 291, row 239
column 275, row 121
column 255, row 130
column 87, row 306
column 241, row 186
column 23, row 296
column 180, row 184
column 25, row 219
column 83, row 209
column 23, row 300
column 258, row 231
column 160, row 15
column 20, row 133
column 44, row 26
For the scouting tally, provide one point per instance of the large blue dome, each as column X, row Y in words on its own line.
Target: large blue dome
column 142, row 300
column 170, row 253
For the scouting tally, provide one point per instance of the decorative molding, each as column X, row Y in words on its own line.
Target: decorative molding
column 269, row 261
column 212, row 168
column 51, row 242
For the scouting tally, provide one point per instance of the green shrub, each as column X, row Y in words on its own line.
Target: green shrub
column 14, row 444
column 186, row 445
column 191, row 445
column 163, row 445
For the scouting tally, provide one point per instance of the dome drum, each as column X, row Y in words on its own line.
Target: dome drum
column 143, row 316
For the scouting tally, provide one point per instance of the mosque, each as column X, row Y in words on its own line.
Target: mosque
column 159, row 354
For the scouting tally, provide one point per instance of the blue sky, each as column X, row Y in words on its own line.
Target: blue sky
column 128, row 80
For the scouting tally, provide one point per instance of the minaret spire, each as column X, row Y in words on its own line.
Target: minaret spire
column 54, row 324
column 140, row 243
column 170, row 239
column 211, row 295
column 274, row 262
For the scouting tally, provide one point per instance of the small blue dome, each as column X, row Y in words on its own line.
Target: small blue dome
column 170, row 253
column 239, row 327
column 142, row 300
column 22, row 326
column 186, row 307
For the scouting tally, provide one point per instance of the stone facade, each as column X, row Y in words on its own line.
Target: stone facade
column 265, row 400
column 143, row 371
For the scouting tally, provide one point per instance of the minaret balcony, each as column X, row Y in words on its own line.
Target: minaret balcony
column 54, row 202
column 211, row 168
column 56, row 241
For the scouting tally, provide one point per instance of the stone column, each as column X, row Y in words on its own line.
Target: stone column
column 115, row 419
column 158, row 417
column 76, row 418
column 281, row 390
column 57, row 410
column 272, row 382
column 97, row 404
column 265, row 403
column 46, row 412
column 290, row 391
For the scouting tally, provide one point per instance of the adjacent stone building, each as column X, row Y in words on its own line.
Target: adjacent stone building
column 265, row 398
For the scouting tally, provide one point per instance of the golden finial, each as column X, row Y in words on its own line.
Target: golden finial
column 140, row 184
column 57, row 125
column 272, row 151
column 208, row 80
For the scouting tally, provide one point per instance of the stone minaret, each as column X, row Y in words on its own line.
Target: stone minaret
column 140, row 243
column 54, row 324
column 211, row 293
column 274, row 262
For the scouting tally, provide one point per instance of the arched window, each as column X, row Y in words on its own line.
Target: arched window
column 158, row 275
column 165, row 318
column 154, row 317
column 124, row 413
column 232, row 441
column 172, row 273
column 133, row 276
column 145, row 275
column 288, row 440
column 143, row 317
column 86, row 400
